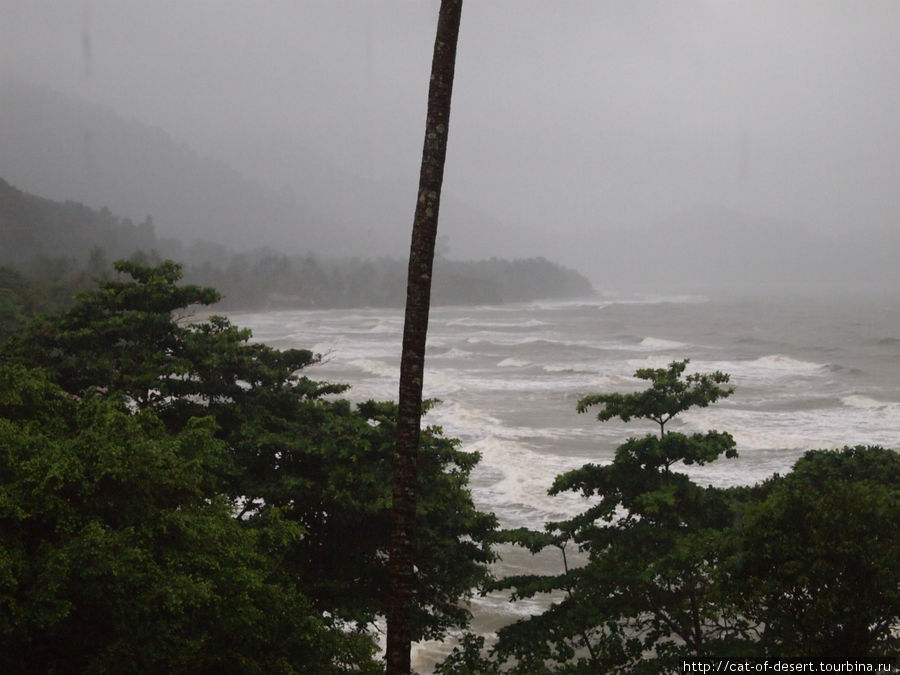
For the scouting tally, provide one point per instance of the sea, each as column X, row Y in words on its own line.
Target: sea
column 810, row 371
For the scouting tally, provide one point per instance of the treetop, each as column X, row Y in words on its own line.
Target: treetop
column 670, row 393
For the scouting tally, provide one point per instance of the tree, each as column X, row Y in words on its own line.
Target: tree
column 817, row 561
column 670, row 393
column 654, row 541
column 45, row 285
column 293, row 447
column 418, row 299
column 800, row 566
column 121, row 338
column 119, row 553
column 14, row 299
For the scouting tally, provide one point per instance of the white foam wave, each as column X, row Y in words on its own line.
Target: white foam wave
column 378, row 368
column 469, row 423
column 658, row 344
column 832, row 427
column 571, row 368
column 503, row 339
column 463, row 421
column 683, row 299
column 384, row 327
column 478, row 323
column 779, row 362
column 521, row 478
column 556, row 305
column 508, row 382
column 522, row 381
column 867, row 403
column 629, row 366
column 513, row 363
column 602, row 303
column 440, row 382
column 764, row 369
column 544, row 340
column 452, row 353
column 350, row 351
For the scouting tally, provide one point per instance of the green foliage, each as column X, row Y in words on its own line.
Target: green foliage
column 268, row 278
column 130, row 439
column 818, row 562
column 121, row 338
column 118, row 553
column 14, row 298
column 47, row 285
column 298, row 465
column 801, row 566
column 467, row 658
column 653, row 540
column 669, row 394
column 328, row 466
column 32, row 227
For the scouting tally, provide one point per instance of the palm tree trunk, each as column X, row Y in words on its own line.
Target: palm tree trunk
column 401, row 600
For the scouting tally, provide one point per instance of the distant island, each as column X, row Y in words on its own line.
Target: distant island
column 54, row 249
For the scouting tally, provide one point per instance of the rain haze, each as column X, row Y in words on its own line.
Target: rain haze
column 642, row 141
column 635, row 191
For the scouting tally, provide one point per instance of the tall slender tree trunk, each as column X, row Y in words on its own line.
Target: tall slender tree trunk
column 401, row 600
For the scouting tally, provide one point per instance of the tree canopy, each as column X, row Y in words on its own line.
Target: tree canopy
column 818, row 561
column 120, row 553
column 276, row 467
column 658, row 569
column 176, row 497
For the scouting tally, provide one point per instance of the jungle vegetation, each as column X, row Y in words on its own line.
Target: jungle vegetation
column 175, row 497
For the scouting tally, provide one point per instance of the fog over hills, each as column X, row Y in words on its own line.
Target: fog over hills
column 696, row 143
column 65, row 148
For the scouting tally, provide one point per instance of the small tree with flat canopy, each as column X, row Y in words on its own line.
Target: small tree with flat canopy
column 653, row 542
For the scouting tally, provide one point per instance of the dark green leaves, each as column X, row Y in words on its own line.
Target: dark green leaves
column 668, row 395
column 119, row 553
column 801, row 566
column 653, row 539
column 819, row 565
column 235, row 510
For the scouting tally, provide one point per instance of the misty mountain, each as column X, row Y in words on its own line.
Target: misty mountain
column 68, row 149
column 375, row 208
column 35, row 227
column 71, row 243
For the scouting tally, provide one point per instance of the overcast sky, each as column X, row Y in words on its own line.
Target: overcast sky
column 567, row 114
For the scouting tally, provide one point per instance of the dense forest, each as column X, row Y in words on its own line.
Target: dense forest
column 60, row 247
column 177, row 498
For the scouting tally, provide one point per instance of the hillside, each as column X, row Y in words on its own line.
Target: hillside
column 32, row 226
column 45, row 238
column 68, row 149
column 72, row 150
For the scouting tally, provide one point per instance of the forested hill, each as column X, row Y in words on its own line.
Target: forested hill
column 44, row 239
column 31, row 226
column 264, row 279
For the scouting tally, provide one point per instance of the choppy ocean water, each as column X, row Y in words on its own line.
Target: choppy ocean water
column 809, row 372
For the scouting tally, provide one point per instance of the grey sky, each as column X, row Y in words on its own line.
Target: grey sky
column 568, row 115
